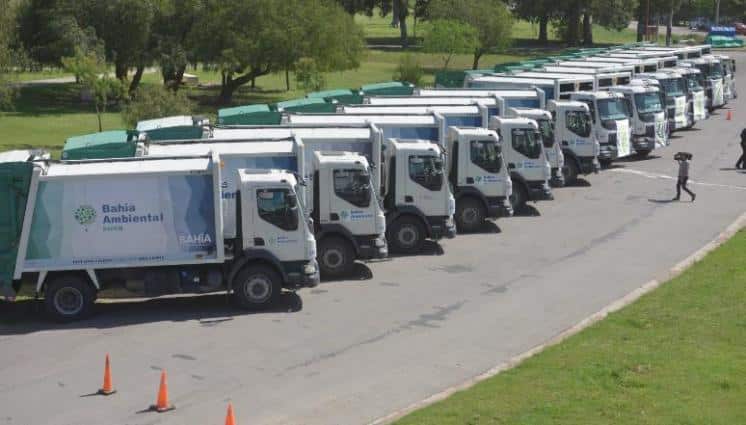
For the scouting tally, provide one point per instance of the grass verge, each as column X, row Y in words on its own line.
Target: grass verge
column 676, row 356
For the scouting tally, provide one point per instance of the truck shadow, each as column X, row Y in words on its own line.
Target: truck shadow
column 579, row 182
column 488, row 227
column 359, row 272
column 527, row 211
column 27, row 316
column 429, row 248
column 637, row 158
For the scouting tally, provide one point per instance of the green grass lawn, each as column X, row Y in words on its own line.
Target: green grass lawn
column 676, row 356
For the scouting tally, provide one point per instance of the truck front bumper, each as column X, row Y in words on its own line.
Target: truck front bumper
column 643, row 143
column 558, row 178
column 608, row 152
column 588, row 164
column 499, row 206
column 442, row 227
column 539, row 191
column 307, row 277
column 371, row 247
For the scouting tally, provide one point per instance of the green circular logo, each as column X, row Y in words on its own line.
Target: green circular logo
column 85, row 215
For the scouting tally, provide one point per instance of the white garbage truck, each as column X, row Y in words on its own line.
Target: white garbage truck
column 152, row 225
column 339, row 196
column 573, row 131
column 552, row 149
column 673, row 86
column 712, row 71
column 648, row 122
column 695, row 92
column 610, row 114
column 527, row 163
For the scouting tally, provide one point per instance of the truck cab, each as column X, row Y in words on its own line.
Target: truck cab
column 695, row 92
column 527, row 162
column 712, row 70
column 648, row 121
column 573, row 131
column 729, row 76
column 348, row 220
column 478, row 175
column 416, row 194
column 610, row 119
column 552, row 149
column 673, row 86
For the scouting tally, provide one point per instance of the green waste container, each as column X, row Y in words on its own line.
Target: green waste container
column 103, row 145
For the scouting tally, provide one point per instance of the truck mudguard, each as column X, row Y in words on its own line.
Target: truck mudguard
column 410, row 210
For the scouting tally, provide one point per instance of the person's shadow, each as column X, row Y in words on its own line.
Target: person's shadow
column 662, row 201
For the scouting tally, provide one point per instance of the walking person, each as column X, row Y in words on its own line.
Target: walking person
column 683, row 176
column 741, row 163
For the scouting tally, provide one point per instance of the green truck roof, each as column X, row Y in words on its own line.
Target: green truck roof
column 260, row 114
column 306, row 105
column 342, row 96
column 173, row 128
column 106, row 144
column 391, row 88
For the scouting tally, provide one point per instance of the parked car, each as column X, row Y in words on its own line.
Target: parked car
column 740, row 28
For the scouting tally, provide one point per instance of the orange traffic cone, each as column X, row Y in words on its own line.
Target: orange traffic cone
column 108, row 388
column 729, row 115
column 162, row 405
column 230, row 419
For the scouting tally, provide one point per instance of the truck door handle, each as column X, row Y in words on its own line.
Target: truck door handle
column 334, row 217
column 408, row 199
column 469, row 180
column 258, row 242
column 511, row 165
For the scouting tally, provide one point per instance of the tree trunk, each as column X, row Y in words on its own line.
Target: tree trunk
column 395, row 13
column 120, row 71
column 717, row 12
column 230, row 85
column 136, row 79
column 287, row 79
column 477, row 56
column 640, row 22
column 669, row 28
column 403, row 11
column 178, row 77
column 98, row 115
column 587, row 29
column 573, row 25
column 543, row 24
column 253, row 83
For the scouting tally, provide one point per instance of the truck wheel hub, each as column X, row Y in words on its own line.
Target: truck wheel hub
column 258, row 288
column 407, row 235
column 469, row 215
column 333, row 258
column 68, row 301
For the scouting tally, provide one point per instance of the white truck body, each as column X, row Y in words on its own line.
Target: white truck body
column 552, row 149
column 648, row 122
column 564, row 83
column 610, row 117
column 673, row 86
column 553, row 89
column 639, row 65
column 573, row 131
column 712, row 71
column 604, row 78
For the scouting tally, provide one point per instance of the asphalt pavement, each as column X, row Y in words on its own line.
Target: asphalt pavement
column 351, row 351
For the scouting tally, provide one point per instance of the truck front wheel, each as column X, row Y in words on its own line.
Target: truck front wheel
column 519, row 197
column 68, row 298
column 406, row 235
column 256, row 286
column 571, row 171
column 470, row 215
column 335, row 256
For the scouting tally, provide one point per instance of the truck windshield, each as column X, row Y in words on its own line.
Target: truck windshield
column 716, row 70
column 353, row 186
column 427, row 171
column 648, row 102
column 547, row 132
column 279, row 207
column 578, row 122
column 673, row 86
column 611, row 109
column 487, row 155
column 693, row 83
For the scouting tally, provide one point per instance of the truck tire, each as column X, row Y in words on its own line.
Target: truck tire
column 519, row 197
column 605, row 163
column 470, row 215
column 256, row 286
column 571, row 171
column 642, row 153
column 69, row 297
column 406, row 235
column 335, row 257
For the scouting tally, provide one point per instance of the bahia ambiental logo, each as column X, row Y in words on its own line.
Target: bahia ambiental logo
column 85, row 215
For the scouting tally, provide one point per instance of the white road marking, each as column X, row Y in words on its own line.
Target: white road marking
column 667, row 177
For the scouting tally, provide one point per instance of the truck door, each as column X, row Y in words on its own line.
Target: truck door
column 277, row 225
column 528, row 157
column 15, row 179
column 351, row 199
column 425, row 180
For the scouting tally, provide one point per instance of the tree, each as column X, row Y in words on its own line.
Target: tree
column 91, row 70
column 7, row 36
column 450, row 37
column 490, row 18
column 248, row 39
column 173, row 24
column 538, row 11
column 155, row 101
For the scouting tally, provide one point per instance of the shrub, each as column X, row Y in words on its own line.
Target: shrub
column 409, row 70
column 155, row 101
column 309, row 76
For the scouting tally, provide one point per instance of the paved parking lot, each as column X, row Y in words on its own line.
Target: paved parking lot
column 348, row 352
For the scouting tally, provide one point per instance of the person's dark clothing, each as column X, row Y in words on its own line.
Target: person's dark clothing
column 683, row 178
column 741, row 163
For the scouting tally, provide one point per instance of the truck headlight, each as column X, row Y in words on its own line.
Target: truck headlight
column 309, row 268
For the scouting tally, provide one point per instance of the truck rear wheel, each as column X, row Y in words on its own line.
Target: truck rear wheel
column 642, row 153
column 69, row 297
column 406, row 235
column 571, row 171
column 469, row 215
column 519, row 197
column 335, row 256
column 256, row 286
